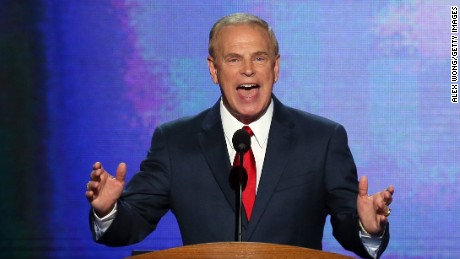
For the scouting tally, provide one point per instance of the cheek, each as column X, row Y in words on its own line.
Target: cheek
column 227, row 89
column 226, row 79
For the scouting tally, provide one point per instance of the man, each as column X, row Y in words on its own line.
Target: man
column 304, row 169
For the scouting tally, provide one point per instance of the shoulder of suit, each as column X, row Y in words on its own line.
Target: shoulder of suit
column 185, row 123
column 302, row 117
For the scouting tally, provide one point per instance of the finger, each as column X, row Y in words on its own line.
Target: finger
column 383, row 220
column 89, row 195
column 96, row 173
column 89, row 185
column 387, row 197
column 381, row 201
column 97, row 165
column 363, row 186
column 91, row 190
column 92, row 186
column 391, row 189
column 383, row 208
column 389, row 194
column 121, row 172
column 93, row 176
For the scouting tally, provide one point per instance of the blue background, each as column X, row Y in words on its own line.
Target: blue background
column 85, row 81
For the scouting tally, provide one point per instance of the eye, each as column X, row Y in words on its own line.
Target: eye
column 260, row 59
column 232, row 60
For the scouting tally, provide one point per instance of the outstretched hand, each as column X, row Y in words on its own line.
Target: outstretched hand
column 373, row 210
column 103, row 190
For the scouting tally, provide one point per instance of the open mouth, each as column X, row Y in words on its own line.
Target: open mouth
column 247, row 87
column 248, row 92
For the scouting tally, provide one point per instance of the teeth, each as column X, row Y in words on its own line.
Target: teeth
column 247, row 85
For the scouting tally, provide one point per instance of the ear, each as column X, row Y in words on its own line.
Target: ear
column 212, row 70
column 276, row 67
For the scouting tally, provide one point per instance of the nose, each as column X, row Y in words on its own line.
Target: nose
column 248, row 68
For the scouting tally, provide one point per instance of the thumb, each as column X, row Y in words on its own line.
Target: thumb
column 363, row 186
column 121, row 172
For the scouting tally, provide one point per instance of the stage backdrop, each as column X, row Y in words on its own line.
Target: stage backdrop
column 86, row 81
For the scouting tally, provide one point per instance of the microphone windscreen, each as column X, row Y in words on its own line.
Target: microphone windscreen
column 238, row 175
column 241, row 141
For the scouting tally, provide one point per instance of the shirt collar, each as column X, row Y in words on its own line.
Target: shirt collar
column 260, row 127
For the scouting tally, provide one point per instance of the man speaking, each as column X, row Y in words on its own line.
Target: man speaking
column 299, row 166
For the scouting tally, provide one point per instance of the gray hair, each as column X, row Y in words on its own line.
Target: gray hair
column 240, row 18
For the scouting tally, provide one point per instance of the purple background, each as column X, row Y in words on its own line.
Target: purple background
column 117, row 69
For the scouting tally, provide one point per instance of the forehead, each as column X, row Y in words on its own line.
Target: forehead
column 243, row 35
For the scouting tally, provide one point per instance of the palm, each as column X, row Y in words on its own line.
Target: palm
column 104, row 189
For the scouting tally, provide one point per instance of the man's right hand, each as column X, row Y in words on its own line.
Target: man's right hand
column 103, row 190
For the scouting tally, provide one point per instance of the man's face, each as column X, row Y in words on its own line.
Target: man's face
column 245, row 68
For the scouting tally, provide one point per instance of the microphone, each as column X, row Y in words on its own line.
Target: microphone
column 238, row 176
column 241, row 141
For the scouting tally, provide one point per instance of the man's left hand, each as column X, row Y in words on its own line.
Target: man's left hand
column 374, row 210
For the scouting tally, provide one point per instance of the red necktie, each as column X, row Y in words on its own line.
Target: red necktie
column 249, row 163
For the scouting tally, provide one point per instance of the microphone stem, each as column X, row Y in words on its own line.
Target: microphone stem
column 240, row 208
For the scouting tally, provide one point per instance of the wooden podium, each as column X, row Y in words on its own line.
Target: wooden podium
column 227, row 250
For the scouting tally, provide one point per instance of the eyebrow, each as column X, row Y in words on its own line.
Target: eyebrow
column 258, row 53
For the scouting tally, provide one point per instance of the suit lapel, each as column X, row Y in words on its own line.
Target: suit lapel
column 276, row 157
column 214, row 149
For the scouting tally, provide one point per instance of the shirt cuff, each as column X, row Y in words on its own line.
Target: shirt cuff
column 371, row 243
column 102, row 224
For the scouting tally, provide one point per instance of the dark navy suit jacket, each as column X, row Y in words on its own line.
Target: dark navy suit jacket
column 308, row 173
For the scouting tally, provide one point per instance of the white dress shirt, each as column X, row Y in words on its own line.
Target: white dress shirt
column 260, row 127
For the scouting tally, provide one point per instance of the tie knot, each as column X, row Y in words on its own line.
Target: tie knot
column 248, row 130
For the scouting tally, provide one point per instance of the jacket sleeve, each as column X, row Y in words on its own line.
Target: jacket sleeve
column 145, row 199
column 342, row 192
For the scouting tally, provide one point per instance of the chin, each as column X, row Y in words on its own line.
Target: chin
column 249, row 117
